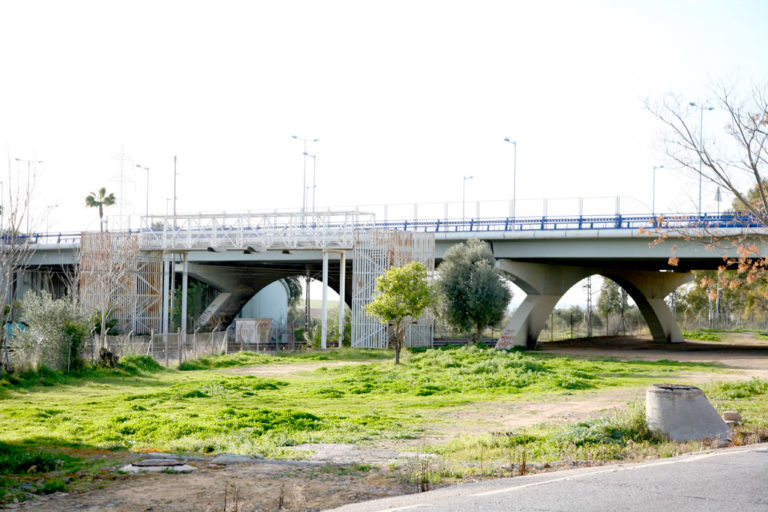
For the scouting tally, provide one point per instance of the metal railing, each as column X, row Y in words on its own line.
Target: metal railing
column 261, row 232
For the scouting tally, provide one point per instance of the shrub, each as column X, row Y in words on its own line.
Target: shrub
column 55, row 336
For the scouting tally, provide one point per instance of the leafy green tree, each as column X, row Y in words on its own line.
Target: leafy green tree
column 99, row 200
column 401, row 293
column 474, row 295
column 571, row 316
column 614, row 302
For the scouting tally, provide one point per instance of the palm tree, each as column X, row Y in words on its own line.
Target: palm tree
column 100, row 200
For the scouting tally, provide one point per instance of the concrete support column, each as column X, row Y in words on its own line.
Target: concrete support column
column 545, row 284
column 184, row 283
column 324, row 324
column 342, row 283
column 648, row 290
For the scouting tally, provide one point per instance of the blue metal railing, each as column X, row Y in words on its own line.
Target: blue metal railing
column 520, row 224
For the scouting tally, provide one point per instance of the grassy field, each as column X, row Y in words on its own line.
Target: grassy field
column 50, row 420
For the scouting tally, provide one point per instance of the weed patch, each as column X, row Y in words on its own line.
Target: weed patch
column 735, row 390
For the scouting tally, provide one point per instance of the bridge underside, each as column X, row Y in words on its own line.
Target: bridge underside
column 238, row 282
column 546, row 283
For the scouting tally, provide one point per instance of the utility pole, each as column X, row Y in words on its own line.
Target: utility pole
column 702, row 108
column 29, row 181
column 304, row 163
column 314, row 177
column 175, row 173
column 307, row 308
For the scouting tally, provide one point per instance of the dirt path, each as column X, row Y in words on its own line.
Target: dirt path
column 260, row 486
column 292, row 369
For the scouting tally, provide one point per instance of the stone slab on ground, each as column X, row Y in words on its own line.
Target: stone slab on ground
column 230, row 458
column 157, row 465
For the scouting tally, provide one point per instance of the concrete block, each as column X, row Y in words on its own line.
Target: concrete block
column 683, row 413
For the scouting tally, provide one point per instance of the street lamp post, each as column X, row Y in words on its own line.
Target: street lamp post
column 48, row 216
column 702, row 108
column 146, row 214
column 653, row 202
column 514, row 178
column 314, row 176
column 28, row 198
column 464, row 195
column 304, row 159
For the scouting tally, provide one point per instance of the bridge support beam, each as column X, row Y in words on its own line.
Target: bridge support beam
column 545, row 284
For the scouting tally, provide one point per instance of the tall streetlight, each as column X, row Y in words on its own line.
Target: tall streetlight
column 29, row 167
column 702, row 108
column 514, row 178
column 653, row 203
column 314, row 176
column 304, row 158
column 146, row 215
column 464, row 195
column 48, row 216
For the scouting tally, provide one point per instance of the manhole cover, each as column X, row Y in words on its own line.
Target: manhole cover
column 152, row 463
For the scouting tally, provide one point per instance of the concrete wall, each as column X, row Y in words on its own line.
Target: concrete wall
column 270, row 302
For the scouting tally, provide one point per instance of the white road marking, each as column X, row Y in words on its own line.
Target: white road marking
column 608, row 470
column 402, row 508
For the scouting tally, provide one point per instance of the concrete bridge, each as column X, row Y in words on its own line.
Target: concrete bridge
column 544, row 256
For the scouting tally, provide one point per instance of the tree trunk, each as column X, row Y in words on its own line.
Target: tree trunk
column 399, row 339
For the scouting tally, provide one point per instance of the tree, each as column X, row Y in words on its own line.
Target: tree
column 108, row 267
column 402, row 293
column 571, row 316
column 737, row 161
column 473, row 292
column 15, row 251
column 613, row 302
column 741, row 159
column 55, row 336
column 100, row 200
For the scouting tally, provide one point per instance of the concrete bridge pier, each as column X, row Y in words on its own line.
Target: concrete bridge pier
column 544, row 285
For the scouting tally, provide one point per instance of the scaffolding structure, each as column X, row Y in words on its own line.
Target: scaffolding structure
column 119, row 279
column 256, row 232
column 374, row 253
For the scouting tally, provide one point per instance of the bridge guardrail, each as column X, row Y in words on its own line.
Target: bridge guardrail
column 296, row 233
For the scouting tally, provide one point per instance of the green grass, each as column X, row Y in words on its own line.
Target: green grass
column 206, row 409
column 703, row 335
column 252, row 358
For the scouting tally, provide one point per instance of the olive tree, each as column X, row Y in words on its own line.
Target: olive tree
column 473, row 293
column 57, row 330
column 402, row 293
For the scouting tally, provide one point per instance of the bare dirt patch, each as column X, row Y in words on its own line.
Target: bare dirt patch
column 741, row 351
column 260, row 486
column 291, row 369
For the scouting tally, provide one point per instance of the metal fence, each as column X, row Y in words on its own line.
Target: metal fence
column 167, row 350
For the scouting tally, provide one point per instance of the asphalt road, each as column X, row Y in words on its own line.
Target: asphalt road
column 731, row 479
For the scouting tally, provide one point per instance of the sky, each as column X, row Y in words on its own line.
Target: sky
column 406, row 97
